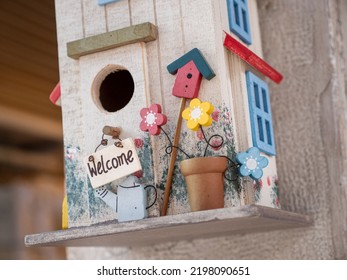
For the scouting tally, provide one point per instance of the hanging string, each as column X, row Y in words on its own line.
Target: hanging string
column 102, row 143
column 168, row 149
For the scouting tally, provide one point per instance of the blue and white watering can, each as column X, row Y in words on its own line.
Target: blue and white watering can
column 130, row 202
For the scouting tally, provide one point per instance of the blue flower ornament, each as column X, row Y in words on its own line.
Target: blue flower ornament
column 252, row 163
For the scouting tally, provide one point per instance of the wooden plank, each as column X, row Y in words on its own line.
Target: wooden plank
column 42, row 108
column 201, row 224
column 43, row 11
column 237, row 70
column 24, row 40
column 170, row 47
column 142, row 11
column 15, row 10
column 256, row 46
column 27, row 27
column 33, row 80
column 30, row 124
column 93, row 69
column 44, row 162
column 118, row 15
column 144, row 32
column 94, row 18
column 69, row 17
column 104, row 2
column 251, row 58
column 201, row 34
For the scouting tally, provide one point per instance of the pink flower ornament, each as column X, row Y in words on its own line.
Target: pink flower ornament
column 152, row 119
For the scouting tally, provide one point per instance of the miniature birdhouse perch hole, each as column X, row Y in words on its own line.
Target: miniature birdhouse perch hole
column 112, row 88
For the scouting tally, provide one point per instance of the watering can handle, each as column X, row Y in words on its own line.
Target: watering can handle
column 156, row 194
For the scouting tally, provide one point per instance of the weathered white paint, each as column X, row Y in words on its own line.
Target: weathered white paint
column 93, row 18
column 69, row 17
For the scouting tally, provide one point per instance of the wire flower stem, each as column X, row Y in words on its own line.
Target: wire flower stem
column 168, row 149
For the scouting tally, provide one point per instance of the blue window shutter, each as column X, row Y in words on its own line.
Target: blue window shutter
column 260, row 114
column 239, row 19
column 104, row 2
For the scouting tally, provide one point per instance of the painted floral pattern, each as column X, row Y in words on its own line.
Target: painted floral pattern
column 138, row 142
column 75, row 186
column 275, row 192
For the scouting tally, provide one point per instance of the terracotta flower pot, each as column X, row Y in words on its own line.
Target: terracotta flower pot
column 205, row 183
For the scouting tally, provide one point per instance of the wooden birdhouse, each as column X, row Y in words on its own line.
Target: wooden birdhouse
column 177, row 80
column 118, row 63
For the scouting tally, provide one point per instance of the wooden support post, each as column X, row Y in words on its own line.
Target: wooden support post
column 173, row 159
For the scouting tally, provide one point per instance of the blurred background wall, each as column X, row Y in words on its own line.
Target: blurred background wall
column 31, row 146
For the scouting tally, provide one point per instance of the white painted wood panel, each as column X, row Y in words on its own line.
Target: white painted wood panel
column 142, row 11
column 94, row 18
column 129, row 57
column 199, row 32
column 170, row 47
column 145, row 11
column 69, row 17
column 254, row 22
column 118, row 15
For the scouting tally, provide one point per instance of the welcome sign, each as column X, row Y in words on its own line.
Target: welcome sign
column 112, row 163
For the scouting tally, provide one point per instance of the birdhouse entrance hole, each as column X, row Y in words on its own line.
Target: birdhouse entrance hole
column 113, row 88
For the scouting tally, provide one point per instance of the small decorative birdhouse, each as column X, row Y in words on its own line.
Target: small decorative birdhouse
column 148, row 89
column 189, row 68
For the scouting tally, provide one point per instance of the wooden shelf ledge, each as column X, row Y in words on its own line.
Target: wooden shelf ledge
column 203, row 224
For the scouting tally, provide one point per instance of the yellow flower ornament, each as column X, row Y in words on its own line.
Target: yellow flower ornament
column 198, row 113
